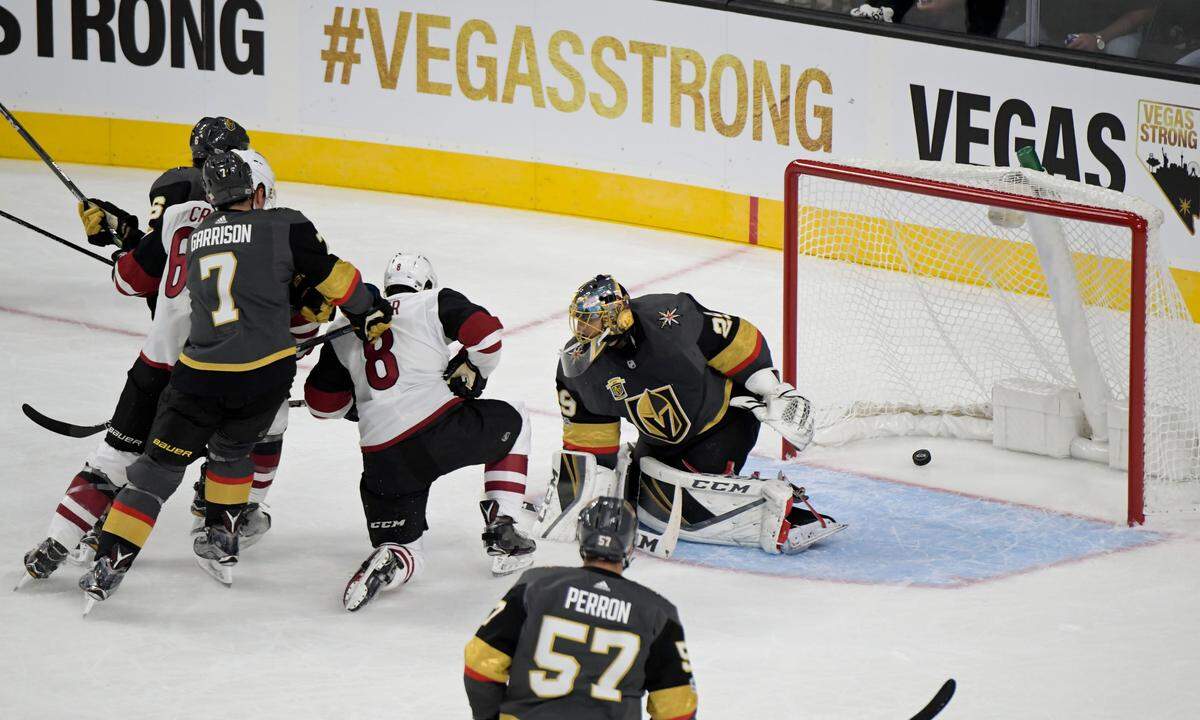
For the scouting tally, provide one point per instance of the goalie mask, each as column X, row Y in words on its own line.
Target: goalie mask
column 408, row 272
column 607, row 530
column 599, row 313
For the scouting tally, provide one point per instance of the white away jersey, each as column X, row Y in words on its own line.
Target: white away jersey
column 397, row 382
column 172, row 314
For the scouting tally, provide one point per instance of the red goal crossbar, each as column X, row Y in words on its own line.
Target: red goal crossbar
column 1136, row 224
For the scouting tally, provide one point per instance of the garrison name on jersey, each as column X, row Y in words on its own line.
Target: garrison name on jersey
column 223, row 233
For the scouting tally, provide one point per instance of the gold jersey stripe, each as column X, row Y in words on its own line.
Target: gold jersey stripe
column 339, row 282
column 720, row 413
column 672, row 703
column 237, row 367
column 506, row 716
column 592, row 435
column 133, row 529
column 487, row 660
column 227, row 493
column 739, row 350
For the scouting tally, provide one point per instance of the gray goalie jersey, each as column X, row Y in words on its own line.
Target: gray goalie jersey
column 581, row 643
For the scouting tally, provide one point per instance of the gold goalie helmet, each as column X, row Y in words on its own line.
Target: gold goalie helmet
column 599, row 312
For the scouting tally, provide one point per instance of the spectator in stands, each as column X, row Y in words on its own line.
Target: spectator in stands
column 1114, row 27
column 982, row 16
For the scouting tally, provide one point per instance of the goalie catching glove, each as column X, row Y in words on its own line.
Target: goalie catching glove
column 779, row 406
column 99, row 216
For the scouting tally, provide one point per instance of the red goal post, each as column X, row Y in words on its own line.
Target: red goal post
column 1135, row 224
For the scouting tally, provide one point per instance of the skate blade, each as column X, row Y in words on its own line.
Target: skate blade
column 358, row 592
column 89, row 602
column 221, row 573
column 814, row 539
column 509, row 564
column 22, row 581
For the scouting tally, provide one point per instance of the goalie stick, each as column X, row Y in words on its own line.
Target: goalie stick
column 62, row 427
column 939, row 701
column 52, row 165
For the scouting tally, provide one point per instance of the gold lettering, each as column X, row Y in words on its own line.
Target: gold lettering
column 388, row 68
column 427, row 53
column 691, row 88
column 823, row 140
column 607, row 74
column 523, row 48
column 578, row 90
column 648, row 51
column 486, row 91
column 723, row 63
column 763, row 90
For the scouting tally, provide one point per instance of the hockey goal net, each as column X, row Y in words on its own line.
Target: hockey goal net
column 913, row 292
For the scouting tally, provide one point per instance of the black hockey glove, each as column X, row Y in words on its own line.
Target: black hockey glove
column 100, row 215
column 375, row 321
column 463, row 377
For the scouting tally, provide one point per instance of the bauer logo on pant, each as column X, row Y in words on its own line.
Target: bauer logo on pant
column 659, row 414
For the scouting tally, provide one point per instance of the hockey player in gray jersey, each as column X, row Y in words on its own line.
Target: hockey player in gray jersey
column 234, row 371
column 582, row 643
column 696, row 384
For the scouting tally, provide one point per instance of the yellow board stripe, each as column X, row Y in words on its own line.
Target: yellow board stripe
column 592, row 435
column 739, row 349
column 438, row 173
column 672, row 702
column 227, row 493
column 487, row 660
column 237, row 367
column 135, row 530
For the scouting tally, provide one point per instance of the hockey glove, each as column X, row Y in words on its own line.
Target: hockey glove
column 314, row 307
column 375, row 321
column 99, row 216
column 463, row 377
column 780, row 406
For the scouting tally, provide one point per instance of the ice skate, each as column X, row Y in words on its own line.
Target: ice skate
column 217, row 547
column 41, row 561
column 510, row 549
column 256, row 521
column 85, row 552
column 386, row 568
column 105, row 577
column 808, row 526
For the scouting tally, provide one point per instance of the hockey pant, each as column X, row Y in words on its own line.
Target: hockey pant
column 396, row 480
column 185, row 424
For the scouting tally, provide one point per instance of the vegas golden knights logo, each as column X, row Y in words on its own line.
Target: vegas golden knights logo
column 659, row 414
column 616, row 386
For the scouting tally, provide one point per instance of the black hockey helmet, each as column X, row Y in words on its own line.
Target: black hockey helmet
column 227, row 179
column 216, row 134
column 607, row 530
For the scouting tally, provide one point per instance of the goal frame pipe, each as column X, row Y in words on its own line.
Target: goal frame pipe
column 1139, row 238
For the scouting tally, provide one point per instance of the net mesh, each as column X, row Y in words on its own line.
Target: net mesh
column 917, row 305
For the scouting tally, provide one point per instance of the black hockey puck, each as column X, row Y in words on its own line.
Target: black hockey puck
column 922, row 457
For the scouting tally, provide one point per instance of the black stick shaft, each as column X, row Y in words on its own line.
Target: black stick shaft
column 45, row 156
column 322, row 339
column 55, row 238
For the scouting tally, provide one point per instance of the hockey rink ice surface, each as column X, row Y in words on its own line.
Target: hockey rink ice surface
column 1010, row 573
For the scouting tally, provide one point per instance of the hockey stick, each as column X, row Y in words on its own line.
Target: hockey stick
column 81, row 431
column 52, row 165
column 938, row 702
column 55, row 238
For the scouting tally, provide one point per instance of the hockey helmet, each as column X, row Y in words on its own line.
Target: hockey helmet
column 408, row 272
column 228, row 179
column 262, row 173
column 607, row 530
column 216, row 134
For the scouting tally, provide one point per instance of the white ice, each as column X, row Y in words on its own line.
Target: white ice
column 1116, row 636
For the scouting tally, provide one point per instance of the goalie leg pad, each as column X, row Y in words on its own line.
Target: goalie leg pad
column 575, row 482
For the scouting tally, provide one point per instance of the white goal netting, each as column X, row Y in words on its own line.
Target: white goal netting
column 911, row 307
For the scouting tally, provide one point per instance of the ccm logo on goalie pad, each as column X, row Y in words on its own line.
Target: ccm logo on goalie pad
column 720, row 486
column 385, row 524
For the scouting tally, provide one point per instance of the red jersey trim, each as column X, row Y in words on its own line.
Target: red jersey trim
column 134, row 276
column 151, row 363
column 414, row 429
column 477, row 327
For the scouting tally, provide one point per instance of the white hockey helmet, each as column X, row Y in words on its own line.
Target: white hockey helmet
column 411, row 271
column 261, row 172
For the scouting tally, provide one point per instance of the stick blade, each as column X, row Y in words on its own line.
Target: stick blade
column 939, row 701
column 58, row 426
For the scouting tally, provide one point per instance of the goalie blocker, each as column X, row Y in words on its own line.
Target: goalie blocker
column 771, row 514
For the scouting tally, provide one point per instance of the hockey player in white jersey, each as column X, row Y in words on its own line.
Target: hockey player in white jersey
column 420, row 417
column 91, row 492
